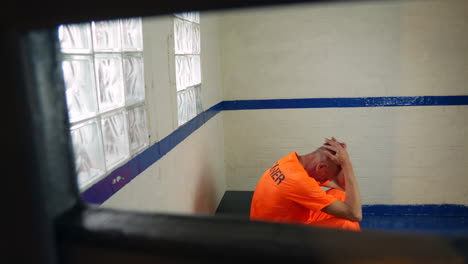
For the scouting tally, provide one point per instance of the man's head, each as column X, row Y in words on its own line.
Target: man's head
column 319, row 166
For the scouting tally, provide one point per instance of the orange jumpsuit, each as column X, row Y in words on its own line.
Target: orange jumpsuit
column 286, row 193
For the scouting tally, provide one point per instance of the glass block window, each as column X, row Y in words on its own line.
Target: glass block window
column 102, row 63
column 187, row 65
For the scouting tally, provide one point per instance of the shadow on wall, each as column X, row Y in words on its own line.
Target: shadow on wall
column 205, row 194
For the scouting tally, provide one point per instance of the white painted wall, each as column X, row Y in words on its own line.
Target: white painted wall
column 190, row 179
column 402, row 155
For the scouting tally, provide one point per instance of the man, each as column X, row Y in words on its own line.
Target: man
column 290, row 192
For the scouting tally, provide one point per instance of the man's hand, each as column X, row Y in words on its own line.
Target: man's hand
column 334, row 139
column 341, row 157
column 351, row 208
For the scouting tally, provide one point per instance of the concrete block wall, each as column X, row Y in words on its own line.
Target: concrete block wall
column 402, row 155
column 190, row 179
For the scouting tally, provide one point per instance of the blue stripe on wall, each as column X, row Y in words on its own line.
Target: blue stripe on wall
column 446, row 210
column 345, row 102
column 105, row 188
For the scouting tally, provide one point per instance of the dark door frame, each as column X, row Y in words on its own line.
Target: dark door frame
column 45, row 219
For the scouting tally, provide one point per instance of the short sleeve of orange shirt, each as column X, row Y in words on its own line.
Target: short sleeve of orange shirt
column 286, row 193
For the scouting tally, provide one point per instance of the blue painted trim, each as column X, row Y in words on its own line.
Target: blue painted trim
column 416, row 210
column 426, row 224
column 345, row 102
column 105, row 188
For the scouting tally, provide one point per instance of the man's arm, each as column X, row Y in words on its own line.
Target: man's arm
column 350, row 209
column 338, row 182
